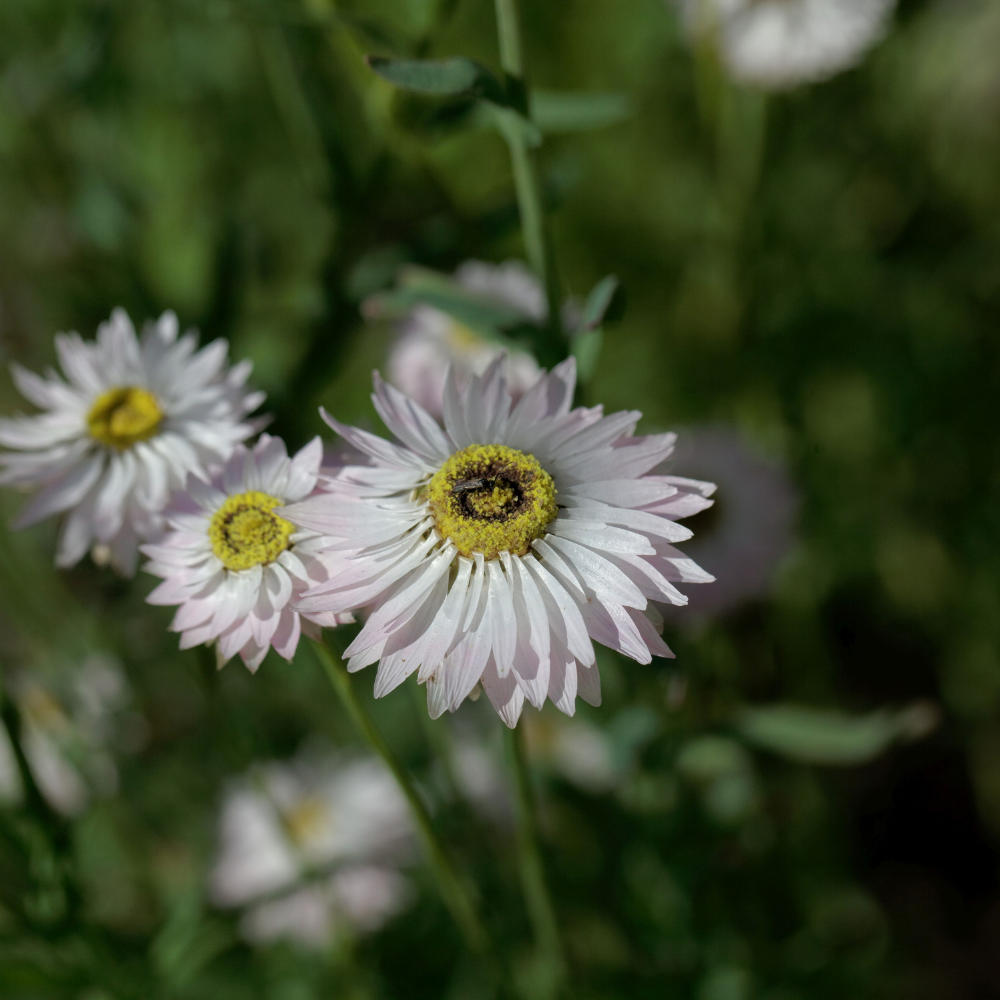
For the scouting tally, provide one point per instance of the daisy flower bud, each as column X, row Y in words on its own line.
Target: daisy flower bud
column 777, row 44
column 429, row 339
column 132, row 418
column 496, row 548
column 235, row 564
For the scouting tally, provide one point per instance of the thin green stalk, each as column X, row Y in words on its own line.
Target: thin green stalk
column 524, row 162
column 453, row 890
column 536, row 891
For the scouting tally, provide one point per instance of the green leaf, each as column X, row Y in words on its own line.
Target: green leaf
column 828, row 736
column 586, row 348
column 440, row 77
column 598, row 307
column 509, row 123
column 554, row 111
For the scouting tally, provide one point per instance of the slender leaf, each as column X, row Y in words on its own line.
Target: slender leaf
column 440, row 77
column 553, row 111
column 599, row 302
column 827, row 736
column 586, row 348
column 509, row 123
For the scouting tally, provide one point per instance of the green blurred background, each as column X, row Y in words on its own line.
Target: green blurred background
column 818, row 271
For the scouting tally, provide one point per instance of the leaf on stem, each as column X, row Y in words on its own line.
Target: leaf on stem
column 440, row 77
column 605, row 302
column 827, row 736
column 512, row 125
column 568, row 111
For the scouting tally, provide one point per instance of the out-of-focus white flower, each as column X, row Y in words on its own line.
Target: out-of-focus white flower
column 429, row 339
column 312, row 846
column 233, row 564
column 473, row 570
column 777, row 44
column 478, row 767
column 751, row 527
column 132, row 419
column 65, row 741
column 595, row 759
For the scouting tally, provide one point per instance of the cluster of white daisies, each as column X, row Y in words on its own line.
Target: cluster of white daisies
column 488, row 551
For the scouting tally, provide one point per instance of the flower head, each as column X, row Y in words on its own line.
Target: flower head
column 497, row 548
column 429, row 339
column 67, row 735
column 776, row 44
column 130, row 421
column 234, row 564
column 322, row 840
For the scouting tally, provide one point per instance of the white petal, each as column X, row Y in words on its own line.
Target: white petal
column 65, row 492
column 410, row 422
column 504, row 693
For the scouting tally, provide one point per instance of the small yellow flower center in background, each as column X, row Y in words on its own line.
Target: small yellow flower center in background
column 121, row 417
column 462, row 337
column 245, row 532
column 307, row 820
column 489, row 498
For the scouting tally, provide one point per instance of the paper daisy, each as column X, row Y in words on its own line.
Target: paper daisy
column 67, row 735
column 776, row 44
column 495, row 549
column 429, row 339
column 311, row 845
column 130, row 421
column 234, row 564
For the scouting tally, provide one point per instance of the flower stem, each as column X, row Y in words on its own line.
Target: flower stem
column 453, row 890
column 552, row 966
column 524, row 162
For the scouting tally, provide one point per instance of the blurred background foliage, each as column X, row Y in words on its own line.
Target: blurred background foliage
column 818, row 271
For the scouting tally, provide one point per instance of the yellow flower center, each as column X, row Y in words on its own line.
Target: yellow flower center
column 461, row 337
column 489, row 498
column 120, row 417
column 306, row 820
column 246, row 532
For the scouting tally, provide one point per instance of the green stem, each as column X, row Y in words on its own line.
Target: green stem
column 536, row 891
column 524, row 163
column 453, row 891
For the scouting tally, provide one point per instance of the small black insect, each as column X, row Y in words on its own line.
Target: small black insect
column 469, row 485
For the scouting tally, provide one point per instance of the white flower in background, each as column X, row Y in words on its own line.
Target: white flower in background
column 429, row 339
column 234, row 564
column 66, row 738
column 581, row 752
column 495, row 549
column 130, row 421
column 752, row 527
column 310, row 846
column 777, row 44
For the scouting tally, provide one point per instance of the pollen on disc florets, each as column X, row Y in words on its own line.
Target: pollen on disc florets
column 245, row 531
column 123, row 416
column 489, row 498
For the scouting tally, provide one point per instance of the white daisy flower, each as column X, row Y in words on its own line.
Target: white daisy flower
column 130, row 421
column 234, row 564
column 311, row 845
column 429, row 339
column 67, row 737
column 777, row 44
column 495, row 549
